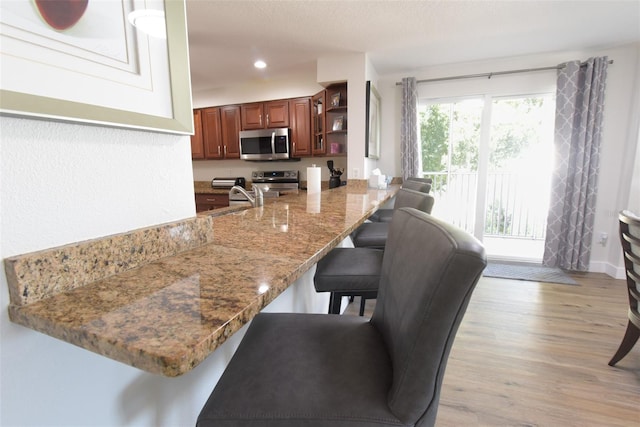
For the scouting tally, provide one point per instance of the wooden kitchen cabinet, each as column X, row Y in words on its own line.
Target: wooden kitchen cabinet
column 207, row 202
column 336, row 120
column 230, row 128
column 319, row 148
column 265, row 115
column 329, row 121
column 220, row 127
column 300, row 120
column 197, row 141
column 212, row 136
column 220, row 132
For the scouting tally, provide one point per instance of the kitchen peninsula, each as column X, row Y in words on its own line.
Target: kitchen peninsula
column 163, row 299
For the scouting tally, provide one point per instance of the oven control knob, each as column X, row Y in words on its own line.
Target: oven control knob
column 254, row 174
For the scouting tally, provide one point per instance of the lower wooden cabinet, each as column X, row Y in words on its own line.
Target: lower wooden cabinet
column 207, row 202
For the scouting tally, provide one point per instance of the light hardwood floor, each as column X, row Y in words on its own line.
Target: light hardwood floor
column 535, row 354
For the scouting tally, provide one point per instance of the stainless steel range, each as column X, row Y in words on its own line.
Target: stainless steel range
column 272, row 184
column 281, row 181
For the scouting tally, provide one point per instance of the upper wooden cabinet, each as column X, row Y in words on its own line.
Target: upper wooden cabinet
column 218, row 128
column 197, row 143
column 300, row 119
column 230, row 126
column 220, row 133
column 265, row 115
column 319, row 148
column 211, row 133
column 335, row 111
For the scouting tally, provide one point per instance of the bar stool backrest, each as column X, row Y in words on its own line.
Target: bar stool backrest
column 429, row 271
column 406, row 198
column 423, row 187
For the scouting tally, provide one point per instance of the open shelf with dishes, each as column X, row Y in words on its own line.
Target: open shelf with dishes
column 330, row 121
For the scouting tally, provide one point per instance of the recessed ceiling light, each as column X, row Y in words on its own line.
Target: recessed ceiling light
column 260, row 64
column 150, row 22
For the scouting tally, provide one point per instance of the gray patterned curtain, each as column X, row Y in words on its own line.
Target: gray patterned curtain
column 579, row 107
column 409, row 148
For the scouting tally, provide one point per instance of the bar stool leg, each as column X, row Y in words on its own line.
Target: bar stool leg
column 363, row 301
column 335, row 301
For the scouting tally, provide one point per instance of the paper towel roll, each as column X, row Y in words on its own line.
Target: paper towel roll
column 313, row 179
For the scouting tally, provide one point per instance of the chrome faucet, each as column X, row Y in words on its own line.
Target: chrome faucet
column 256, row 200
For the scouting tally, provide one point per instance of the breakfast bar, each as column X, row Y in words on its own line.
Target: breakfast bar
column 163, row 299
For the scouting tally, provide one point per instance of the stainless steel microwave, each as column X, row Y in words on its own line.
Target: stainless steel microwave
column 265, row 144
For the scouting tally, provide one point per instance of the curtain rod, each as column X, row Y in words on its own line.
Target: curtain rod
column 489, row 75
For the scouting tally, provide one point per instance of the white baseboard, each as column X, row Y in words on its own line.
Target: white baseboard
column 607, row 268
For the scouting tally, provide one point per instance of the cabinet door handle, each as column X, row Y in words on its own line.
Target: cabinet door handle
column 218, row 150
column 267, row 120
column 211, row 200
column 294, row 148
column 260, row 115
column 225, row 150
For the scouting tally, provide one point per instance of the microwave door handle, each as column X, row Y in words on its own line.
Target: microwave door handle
column 273, row 142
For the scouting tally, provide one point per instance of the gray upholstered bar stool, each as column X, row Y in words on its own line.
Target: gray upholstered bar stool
column 349, row 272
column 422, row 185
column 419, row 180
column 317, row 370
column 374, row 234
column 355, row 272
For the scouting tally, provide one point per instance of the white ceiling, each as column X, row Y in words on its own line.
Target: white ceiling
column 226, row 37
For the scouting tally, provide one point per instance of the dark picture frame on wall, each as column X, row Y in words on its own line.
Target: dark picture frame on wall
column 372, row 129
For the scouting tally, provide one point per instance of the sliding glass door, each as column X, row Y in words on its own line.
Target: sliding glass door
column 450, row 144
column 490, row 159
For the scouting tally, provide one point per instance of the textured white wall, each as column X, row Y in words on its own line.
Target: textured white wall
column 62, row 183
column 352, row 68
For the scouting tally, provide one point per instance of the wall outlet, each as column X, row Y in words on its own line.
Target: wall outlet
column 604, row 237
column 356, row 173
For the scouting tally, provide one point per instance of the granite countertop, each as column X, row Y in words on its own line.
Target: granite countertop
column 127, row 298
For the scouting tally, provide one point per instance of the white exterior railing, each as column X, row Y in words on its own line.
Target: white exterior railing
column 515, row 205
